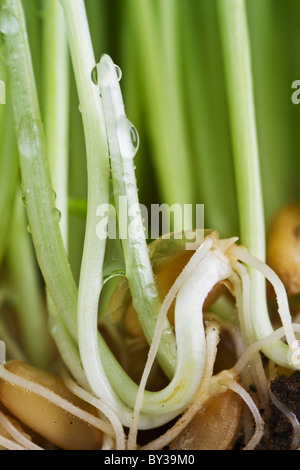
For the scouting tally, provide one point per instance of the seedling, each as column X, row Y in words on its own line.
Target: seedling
column 169, row 300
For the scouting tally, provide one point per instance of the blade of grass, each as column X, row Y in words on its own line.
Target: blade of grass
column 30, row 307
column 170, row 151
column 272, row 90
column 43, row 216
column 237, row 60
column 56, row 105
column 207, row 115
column 139, row 273
column 9, row 172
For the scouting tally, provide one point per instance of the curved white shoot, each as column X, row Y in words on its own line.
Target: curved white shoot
column 207, row 267
column 123, row 142
column 212, row 338
column 286, row 355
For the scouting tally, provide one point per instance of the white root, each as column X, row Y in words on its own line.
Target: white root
column 56, row 399
column 8, row 444
column 119, row 434
column 291, row 417
column 259, row 423
column 20, row 438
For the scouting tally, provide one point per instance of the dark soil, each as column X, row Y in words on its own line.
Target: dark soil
column 279, row 431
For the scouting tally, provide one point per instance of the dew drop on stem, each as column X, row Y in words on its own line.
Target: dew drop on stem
column 118, row 71
column 94, row 75
column 9, row 24
column 151, row 290
column 134, row 137
column 23, row 199
column 30, row 137
column 56, row 214
column 128, row 138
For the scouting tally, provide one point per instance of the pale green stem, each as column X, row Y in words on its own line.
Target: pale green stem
column 56, row 106
column 30, row 308
column 237, row 60
column 145, row 297
column 9, row 171
column 12, row 347
column 274, row 122
column 169, row 150
column 43, row 215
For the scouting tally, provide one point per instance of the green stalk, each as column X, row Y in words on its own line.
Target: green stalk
column 56, row 106
column 273, row 117
column 104, row 374
column 207, row 115
column 237, row 59
column 43, row 215
column 91, row 272
column 96, row 11
column 170, row 151
column 123, row 145
column 9, row 171
column 33, row 16
column 30, row 308
column 77, row 181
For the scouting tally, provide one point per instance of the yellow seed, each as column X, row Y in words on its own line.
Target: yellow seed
column 214, row 427
column 283, row 247
column 47, row 419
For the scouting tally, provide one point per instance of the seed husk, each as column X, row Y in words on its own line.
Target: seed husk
column 215, row 425
column 283, row 247
column 45, row 418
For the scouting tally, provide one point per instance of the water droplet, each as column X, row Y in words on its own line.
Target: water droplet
column 119, row 72
column 127, row 137
column 131, row 188
column 57, row 215
column 28, row 229
column 151, row 290
column 23, row 199
column 134, row 137
column 8, row 23
column 94, row 75
column 168, row 332
column 30, row 137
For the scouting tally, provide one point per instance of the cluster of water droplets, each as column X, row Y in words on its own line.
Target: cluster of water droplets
column 94, row 74
column 127, row 134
